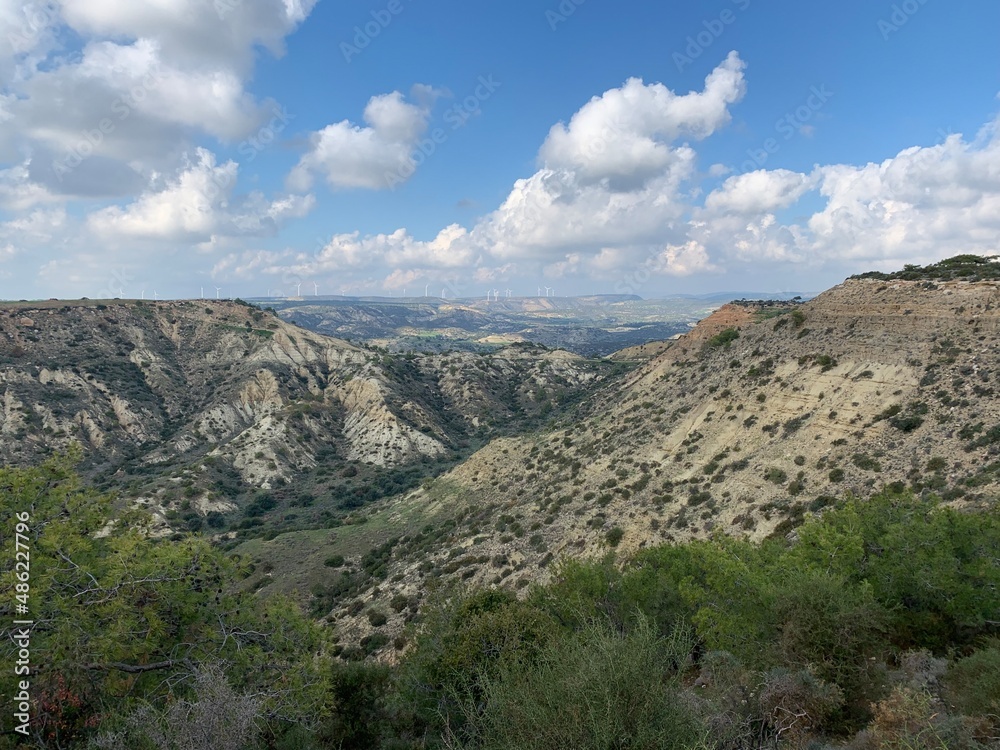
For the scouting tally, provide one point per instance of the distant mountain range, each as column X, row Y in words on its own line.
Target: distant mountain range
column 591, row 325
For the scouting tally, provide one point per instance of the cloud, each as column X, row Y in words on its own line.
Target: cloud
column 624, row 137
column 18, row 192
column 681, row 260
column 218, row 34
column 375, row 157
column 759, row 192
column 611, row 184
column 923, row 204
column 148, row 80
column 617, row 196
column 197, row 205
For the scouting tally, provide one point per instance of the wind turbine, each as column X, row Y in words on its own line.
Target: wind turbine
column 142, row 294
column 155, row 295
column 315, row 289
column 442, row 293
column 298, row 289
column 203, row 292
column 509, row 293
column 547, row 289
column 426, row 287
column 496, row 295
column 218, row 292
column 539, row 293
column 488, row 293
column 121, row 293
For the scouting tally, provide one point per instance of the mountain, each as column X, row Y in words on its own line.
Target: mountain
column 760, row 416
column 591, row 326
column 362, row 480
column 214, row 414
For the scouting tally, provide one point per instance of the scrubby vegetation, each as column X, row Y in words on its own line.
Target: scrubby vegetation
column 959, row 267
column 876, row 628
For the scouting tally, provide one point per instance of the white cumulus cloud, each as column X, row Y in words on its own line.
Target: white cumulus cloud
column 375, row 157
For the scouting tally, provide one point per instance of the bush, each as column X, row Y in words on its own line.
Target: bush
column 866, row 462
column 836, row 475
column 775, row 475
column 796, row 704
column 937, row 464
column 357, row 706
column 974, row 684
column 614, row 536
column 598, row 689
column 465, row 640
column 923, row 562
column 909, row 720
column 724, row 338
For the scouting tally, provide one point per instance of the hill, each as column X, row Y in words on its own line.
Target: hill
column 758, row 418
column 591, row 326
column 218, row 415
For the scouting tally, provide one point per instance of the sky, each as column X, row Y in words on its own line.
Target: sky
column 245, row 148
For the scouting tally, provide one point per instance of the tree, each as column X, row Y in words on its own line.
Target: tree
column 121, row 619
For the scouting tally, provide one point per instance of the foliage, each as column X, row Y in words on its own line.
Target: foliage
column 724, row 338
column 935, row 569
column 359, row 718
column 963, row 267
column 719, row 643
column 597, row 689
column 122, row 619
column 467, row 638
column 974, row 684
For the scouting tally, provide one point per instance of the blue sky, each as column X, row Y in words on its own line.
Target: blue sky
column 377, row 147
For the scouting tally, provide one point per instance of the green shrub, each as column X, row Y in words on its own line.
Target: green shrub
column 465, row 640
column 974, row 684
column 614, row 536
column 866, row 462
column 937, row 464
column 596, row 690
column 923, row 562
column 724, row 338
column 776, row 475
column 357, row 718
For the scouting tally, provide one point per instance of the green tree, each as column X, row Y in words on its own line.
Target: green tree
column 935, row 568
column 121, row 619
